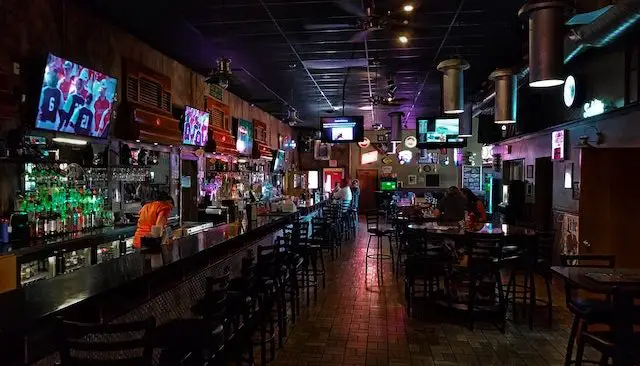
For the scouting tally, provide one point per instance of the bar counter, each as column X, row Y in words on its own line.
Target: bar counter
column 106, row 291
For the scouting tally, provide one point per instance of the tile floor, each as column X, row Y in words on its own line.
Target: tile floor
column 360, row 320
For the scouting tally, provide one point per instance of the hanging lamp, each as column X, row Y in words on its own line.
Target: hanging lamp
column 506, row 102
column 453, row 85
column 546, row 41
column 465, row 124
column 396, row 126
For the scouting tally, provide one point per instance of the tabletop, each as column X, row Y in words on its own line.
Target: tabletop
column 455, row 229
column 601, row 280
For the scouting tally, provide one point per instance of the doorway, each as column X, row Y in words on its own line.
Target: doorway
column 368, row 179
column 331, row 176
column 189, row 186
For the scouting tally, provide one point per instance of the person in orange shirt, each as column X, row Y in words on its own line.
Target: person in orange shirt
column 153, row 213
column 475, row 207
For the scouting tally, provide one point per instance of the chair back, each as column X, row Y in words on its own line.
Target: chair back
column 105, row 344
column 544, row 248
column 215, row 300
column 587, row 261
column 373, row 220
column 484, row 251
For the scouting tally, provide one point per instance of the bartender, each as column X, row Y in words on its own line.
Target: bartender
column 154, row 213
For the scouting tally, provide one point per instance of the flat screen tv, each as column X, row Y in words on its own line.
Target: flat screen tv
column 389, row 185
column 195, row 128
column 278, row 161
column 244, row 137
column 75, row 99
column 437, row 132
column 342, row 129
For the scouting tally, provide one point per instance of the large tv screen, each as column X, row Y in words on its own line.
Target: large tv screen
column 244, row 137
column 196, row 127
column 75, row 99
column 342, row 129
column 433, row 132
column 278, row 161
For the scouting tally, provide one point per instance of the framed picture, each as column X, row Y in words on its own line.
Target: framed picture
column 575, row 190
column 529, row 171
column 321, row 151
column 413, row 180
column 382, row 138
column 529, row 189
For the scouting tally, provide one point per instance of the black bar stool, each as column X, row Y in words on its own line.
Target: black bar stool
column 376, row 230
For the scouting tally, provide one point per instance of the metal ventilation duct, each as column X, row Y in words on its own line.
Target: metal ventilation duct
column 546, row 42
column 396, row 126
column 453, row 85
column 506, row 86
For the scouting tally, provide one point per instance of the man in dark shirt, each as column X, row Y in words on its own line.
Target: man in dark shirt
column 452, row 206
column 50, row 101
column 82, row 118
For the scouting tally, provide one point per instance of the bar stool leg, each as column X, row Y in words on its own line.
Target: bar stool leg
column 575, row 325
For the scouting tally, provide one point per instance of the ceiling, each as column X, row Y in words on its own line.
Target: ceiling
column 271, row 41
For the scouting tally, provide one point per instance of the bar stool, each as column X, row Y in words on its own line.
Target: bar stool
column 374, row 229
column 105, row 344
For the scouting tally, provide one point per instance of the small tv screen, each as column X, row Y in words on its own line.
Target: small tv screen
column 244, row 137
column 195, row 130
column 435, row 132
column 278, row 160
column 388, row 185
column 342, row 129
column 75, row 99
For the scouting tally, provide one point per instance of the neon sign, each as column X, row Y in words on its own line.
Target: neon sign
column 593, row 108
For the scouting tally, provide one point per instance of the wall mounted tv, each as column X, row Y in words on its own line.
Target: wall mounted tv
column 75, row 99
column 278, row 160
column 195, row 128
column 439, row 132
column 342, row 129
column 244, row 136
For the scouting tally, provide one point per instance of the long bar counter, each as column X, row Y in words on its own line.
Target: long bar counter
column 112, row 289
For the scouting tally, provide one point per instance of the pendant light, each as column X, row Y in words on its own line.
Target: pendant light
column 506, row 86
column 465, row 124
column 546, row 41
column 396, row 126
column 453, row 85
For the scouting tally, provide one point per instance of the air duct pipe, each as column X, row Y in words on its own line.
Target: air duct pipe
column 453, row 85
column 396, row 126
column 506, row 87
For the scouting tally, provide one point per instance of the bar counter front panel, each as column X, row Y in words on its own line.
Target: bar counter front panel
column 164, row 284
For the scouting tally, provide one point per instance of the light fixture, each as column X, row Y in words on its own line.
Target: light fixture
column 546, row 42
column 403, row 39
column 137, row 140
column 465, row 124
column 569, row 92
column 396, row 126
column 408, row 8
column 337, row 108
column 506, row 103
column 70, row 141
column 453, row 85
column 155, row 144
column 366, row 108
column 389, row 99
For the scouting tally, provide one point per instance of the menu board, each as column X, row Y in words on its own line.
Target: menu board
column 472, row 177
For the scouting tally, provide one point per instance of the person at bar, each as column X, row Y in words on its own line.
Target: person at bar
column 451, row 207
column 355, row 193
column 475, row 207
column 154, row 213
column 343, row 193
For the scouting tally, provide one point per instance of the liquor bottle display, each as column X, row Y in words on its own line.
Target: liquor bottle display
column 63, row 198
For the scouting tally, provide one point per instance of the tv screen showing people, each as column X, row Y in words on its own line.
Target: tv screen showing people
column 342, row 129
column 196, row 127
column 75, row 99
column 244, row 137
column 436, row 132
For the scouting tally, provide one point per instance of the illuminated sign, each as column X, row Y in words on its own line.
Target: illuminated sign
column 369, row 157
column 569, row 93
column 487, row 155
column 593, row 108
column 558, row 145
column 405, row 156
column 410, row 142
column 364, row 143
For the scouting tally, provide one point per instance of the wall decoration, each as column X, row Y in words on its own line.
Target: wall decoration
column 428, row 169
column 487, row 155
column 333, row 163
column 568, row 175
column 575, row 191
column 410, row 142
column 364, row 143
column 569, row 92
column 387, row 169
column 369, row 157
column 567, row 229
column 558, row 145
column 321, row 151
column 413, row 180
column 387, row 160
column 529, row 171
column 427, row 157
column 405, row 157
column 529, row 189
column 381, row 138
column 400, row 184
column 472, row 177
column 593, row 108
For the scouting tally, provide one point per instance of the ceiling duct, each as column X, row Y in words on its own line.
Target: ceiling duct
column 506, row 87
column 546, row 41
column 396, row 126
column 466, row 129
column 603, row 31
column 453, row 85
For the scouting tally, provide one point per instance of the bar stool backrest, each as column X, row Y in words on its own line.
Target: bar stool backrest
column 373, row 220
column 105, row 344
column 587, row 261
column 484, row 250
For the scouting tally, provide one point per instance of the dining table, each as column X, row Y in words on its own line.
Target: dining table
column 456, row 230
column 623, row 286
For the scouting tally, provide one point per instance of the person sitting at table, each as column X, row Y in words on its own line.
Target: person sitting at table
column 355, row 193
column 343, row 193
column 451, row 207
column 475, row 207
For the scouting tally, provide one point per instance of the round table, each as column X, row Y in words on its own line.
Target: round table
column 457, row 230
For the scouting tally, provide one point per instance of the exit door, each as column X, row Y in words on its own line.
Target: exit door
column 331, row 176
column 368, row 179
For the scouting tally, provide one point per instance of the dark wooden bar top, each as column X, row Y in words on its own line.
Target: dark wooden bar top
column 102, row 292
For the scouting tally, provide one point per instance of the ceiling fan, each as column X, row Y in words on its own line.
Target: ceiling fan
column 369, row 20
column 387, row 101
